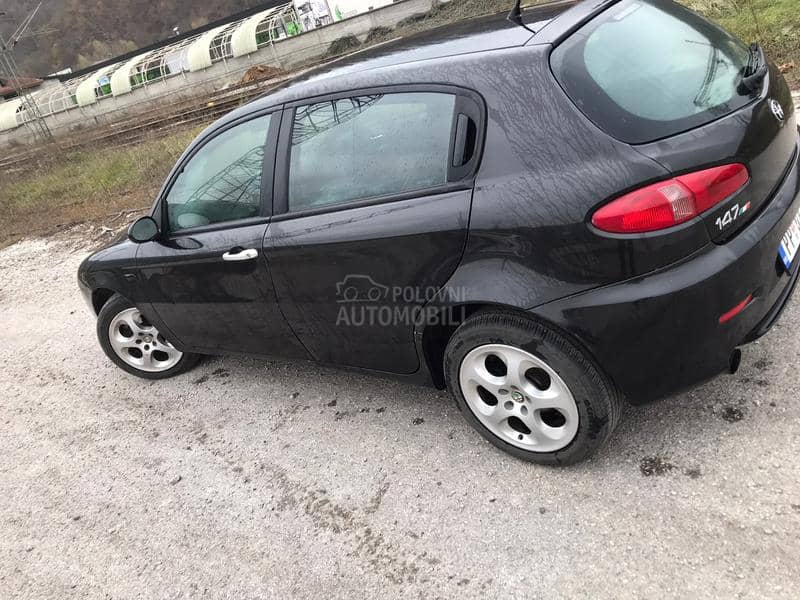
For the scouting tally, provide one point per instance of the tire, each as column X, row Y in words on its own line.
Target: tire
column 556, row 372
column 117, row 313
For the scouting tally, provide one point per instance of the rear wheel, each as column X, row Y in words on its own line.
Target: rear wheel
column 135, row 345
column 529, row 390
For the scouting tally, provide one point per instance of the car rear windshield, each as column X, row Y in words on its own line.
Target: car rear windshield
column 648, row 69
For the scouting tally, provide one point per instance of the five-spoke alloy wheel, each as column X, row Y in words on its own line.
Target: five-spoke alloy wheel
column 528, row 389
column 135, row 345
column 519, row 398
column 139, row 343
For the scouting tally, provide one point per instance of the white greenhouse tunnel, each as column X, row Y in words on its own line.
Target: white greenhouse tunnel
column 199, row 52
column 193, row 54
column 8, row 114
column 244, row 38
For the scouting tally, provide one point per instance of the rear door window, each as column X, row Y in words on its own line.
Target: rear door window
column 648, row 69
column 369, row 146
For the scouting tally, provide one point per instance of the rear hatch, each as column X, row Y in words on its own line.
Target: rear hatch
column 685, row 93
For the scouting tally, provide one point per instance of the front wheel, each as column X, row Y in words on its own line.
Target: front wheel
column 135, row 345
column 529, row 390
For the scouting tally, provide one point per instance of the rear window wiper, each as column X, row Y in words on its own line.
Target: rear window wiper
column 754, row 73
column 754, row 60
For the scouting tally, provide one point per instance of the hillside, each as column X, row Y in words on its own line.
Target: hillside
column 89, row 31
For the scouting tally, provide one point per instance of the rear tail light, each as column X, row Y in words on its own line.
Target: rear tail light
column 672, row 202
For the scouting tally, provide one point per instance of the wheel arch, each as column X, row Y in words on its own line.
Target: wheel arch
column 100, row 297
column 442, row 322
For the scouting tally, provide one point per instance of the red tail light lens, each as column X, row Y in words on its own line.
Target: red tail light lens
column 672, row 202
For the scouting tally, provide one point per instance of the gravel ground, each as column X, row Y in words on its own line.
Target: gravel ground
column 255, row 479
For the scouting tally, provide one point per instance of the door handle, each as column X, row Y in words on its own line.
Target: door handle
column 240, row 255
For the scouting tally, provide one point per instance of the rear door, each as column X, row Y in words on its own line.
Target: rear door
column 657, row 75
column 373, row 197
column 206, row 276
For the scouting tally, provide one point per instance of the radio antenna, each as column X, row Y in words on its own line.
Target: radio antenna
column 515, row 16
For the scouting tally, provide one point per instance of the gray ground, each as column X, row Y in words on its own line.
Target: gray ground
column 253, row 479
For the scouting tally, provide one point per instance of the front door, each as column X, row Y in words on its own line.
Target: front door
column 375, row 198
column 206, row 277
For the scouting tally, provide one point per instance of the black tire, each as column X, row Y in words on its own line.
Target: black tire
column 111, row 309
column 598, row 402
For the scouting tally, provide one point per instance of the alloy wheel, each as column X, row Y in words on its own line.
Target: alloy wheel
column 139, row 344
column 519, row 398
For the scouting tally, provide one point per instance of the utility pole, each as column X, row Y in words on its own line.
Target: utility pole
column 8, row 64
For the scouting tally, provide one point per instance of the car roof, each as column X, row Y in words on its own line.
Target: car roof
column 481, row 34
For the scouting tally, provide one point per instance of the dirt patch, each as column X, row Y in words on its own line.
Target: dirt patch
column 88, row 222
column 762, row 364
column 655, row 465
column 377, row 34
column 259, row 72
column 693, row 473
column 732, row 414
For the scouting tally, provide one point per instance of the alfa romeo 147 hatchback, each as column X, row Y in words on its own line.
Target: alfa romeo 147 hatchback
column 546, row 213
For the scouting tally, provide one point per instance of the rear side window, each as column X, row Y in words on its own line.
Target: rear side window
column 648, row 69
column 369, row 146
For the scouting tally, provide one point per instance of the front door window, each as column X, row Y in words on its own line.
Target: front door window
column 222, row 182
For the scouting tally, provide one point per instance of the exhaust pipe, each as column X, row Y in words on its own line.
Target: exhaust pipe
column 735, row 361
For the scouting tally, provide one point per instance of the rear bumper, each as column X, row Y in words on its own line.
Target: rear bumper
column 659, row 334
column 774, row 315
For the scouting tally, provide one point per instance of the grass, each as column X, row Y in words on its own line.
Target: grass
column 87, row 185
column 774, row 23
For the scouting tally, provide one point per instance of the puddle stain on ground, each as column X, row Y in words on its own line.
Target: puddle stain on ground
column 732, row 414
column 655, row 465
column 693, row 473
column 219, row 373
column 762, row 364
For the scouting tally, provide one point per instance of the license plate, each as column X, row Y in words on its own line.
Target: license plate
column 790, row 243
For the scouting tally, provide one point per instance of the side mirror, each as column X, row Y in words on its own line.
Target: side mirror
column 143, row 230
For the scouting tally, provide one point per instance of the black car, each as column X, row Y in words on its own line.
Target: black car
column 546, row 214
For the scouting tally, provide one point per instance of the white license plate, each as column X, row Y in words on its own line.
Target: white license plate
column 790, row 243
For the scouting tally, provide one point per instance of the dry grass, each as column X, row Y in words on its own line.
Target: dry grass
column 774, row 23
column 86, row 185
